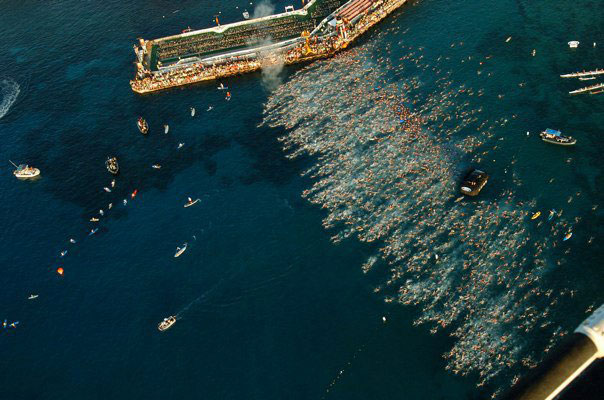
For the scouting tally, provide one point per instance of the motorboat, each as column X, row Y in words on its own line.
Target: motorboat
column 573, row 44
column 32, row 296
column 192, row 111
column 180, row 250
column 536, row 215
column 587, row 78
column 156, row 166
column 246, row 15
column 166, row 323
column 142, row 125
column 24, row 171
column 555, row 137
column 191, row 202
column 112, row 165
column 93, row 219
column 473, row 182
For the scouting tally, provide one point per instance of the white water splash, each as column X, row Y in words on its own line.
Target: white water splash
column 9, row 91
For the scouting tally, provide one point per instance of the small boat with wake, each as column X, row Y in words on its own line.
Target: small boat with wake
column 32, row 296
column 143, row 127
column 24, row 171
column 112, row 165
column 191, row 202
column 166, row 323
column 180, row 250
column 555, row 137
column 473, row 182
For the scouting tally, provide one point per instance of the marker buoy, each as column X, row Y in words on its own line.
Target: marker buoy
column 60, row 270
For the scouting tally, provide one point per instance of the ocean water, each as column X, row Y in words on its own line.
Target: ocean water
column 276, row 296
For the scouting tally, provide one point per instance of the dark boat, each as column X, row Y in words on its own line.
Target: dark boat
column 473, row 182
column 142, row 125
column 112, row 165
column 556, row 137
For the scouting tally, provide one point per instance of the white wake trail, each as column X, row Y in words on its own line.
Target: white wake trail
column 9, row 91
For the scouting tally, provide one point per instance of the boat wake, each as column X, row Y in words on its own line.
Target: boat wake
column 9, row 91
column 390, row 140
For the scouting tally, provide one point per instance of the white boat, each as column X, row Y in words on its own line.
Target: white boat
column 222, row 87
column 180, row 250
column 573, row 44
column 192, row 111
column 246, row 15
column 166, row 323
column 166, row 128
column 587, row 78
column 191, row 202
column 24, row 171
column 32, row 296
column 156, row 166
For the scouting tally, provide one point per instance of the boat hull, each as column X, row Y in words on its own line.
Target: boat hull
column 571, row 143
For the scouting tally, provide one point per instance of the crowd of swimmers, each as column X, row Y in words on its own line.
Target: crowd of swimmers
column 387, row 142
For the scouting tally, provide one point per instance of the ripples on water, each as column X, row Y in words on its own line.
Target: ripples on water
column 9, row 91
column 391, row 139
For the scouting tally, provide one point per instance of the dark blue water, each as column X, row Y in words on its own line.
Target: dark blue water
column 269, row 308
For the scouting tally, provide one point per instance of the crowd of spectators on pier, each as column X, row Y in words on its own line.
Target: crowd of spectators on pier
column 312, row 48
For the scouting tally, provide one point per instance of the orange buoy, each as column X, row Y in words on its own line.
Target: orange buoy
column 60, row 270
column 133, row 195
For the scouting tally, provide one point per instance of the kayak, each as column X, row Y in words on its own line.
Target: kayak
column 536, row 215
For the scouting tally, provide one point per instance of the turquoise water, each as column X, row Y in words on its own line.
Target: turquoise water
column 269, row 305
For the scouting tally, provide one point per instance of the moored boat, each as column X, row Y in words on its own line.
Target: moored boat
column 473, row 182
column 112, row 165
column 555, row 137
column 143, row 127
column 24, row 171
column 166, row 323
